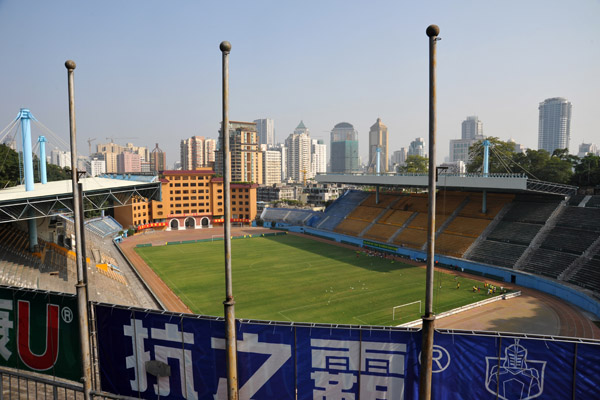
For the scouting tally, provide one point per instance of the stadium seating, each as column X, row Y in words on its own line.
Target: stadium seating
column 413, row 238
column 467, row 226
column 588, row 276
column 569, row 240
column 548, row 262
column 494, row 203
column 452, row 245
column 497, row 253
column 381, row 232
column 384, row 200
column 594, row 201
column 395, row 217
column 351, row 227
column 339, row 209
column 103, row 226
column 514, row 232
column 580, row 218
column 576, row 199
column 365, row 213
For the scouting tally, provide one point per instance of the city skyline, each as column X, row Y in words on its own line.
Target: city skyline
column 158, row 79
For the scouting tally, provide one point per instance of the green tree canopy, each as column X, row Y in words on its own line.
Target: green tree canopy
column 11, row 170
column 587, row 171
column 415, row 164
column 537, row 164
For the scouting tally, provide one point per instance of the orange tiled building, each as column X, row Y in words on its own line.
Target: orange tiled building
column 192, row 200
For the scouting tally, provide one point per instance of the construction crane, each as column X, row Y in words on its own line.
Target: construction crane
column 90, row 145
column 303, row 176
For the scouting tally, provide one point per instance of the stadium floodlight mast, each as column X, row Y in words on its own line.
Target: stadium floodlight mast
column 429, row 318
column 82, row 300
column 229, row 303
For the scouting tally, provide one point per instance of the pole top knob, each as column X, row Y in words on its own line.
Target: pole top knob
column 225, row 46
column 70, row 64
column 433, row 30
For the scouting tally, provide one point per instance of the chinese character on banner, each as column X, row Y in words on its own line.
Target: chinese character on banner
column 166, row 345
column 5, row 325
column 336, row 365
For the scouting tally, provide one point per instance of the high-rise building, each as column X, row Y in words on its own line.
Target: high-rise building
column 399, row 156
column 554, row 129
column 587, row 148
column 60, row 158
column 98, row 167
column 110, row 151
column 266, row 131
column 378, row 139
column 472, row 127
column 417, row 147
column 280, row 147
column 271, row 166
column 210, row 146
column 244, row 151
column 158, row 160
column 472, row 132
column 298, row 146
column 344, row 149
column 128, row 162
column 192, row 153
column 318, row 157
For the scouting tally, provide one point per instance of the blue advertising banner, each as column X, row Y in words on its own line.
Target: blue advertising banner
column 355, row 363
column 587, row 376
column 194, row 349
column 288, row 361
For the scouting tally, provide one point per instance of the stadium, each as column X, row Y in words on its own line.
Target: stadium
column 329, row 304
column 542, row 248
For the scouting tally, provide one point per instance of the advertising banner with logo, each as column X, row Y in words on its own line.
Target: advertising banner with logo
column 39, row 332
column 149, row 355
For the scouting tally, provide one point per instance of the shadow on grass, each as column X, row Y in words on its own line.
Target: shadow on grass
column 356, row 257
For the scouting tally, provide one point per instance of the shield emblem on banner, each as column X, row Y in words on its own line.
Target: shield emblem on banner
column 514, row 377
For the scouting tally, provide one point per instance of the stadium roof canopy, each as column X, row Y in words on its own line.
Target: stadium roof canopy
column 55, row 198
column 512, row 183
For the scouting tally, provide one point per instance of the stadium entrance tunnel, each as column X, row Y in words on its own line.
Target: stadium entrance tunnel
column 205, row 222
column 190, row 223
column 174, row 225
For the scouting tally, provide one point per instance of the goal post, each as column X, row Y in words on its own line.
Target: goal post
column 404, row 305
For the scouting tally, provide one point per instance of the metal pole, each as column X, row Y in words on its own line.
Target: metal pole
column 81, row 285
column 229, row 303
column 429, row 317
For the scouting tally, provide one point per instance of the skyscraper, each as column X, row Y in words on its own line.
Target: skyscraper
column 472, row 127
column 245, row 154
column 318, row 157
column 266, row 131
column 554, row 129
column 158, row 160
column 417, row 147
column 298, row 157
column 378, row 139
column 344, row 149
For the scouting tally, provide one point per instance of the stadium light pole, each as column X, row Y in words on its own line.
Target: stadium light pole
column 229, row 303
column 82, row 300
column 429, row 318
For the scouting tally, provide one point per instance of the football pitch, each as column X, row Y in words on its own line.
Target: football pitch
column 291, row 278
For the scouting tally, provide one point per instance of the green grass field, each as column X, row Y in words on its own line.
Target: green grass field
column 289, row 278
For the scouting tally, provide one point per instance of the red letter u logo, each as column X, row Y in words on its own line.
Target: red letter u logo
column 46, row 360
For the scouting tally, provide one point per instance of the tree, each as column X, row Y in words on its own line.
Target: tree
column 538, row 164
column 587, row 171
column 415, row 164
column 11, row 170
column 500, row 156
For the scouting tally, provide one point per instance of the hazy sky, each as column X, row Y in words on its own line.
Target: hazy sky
column 151, row 70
